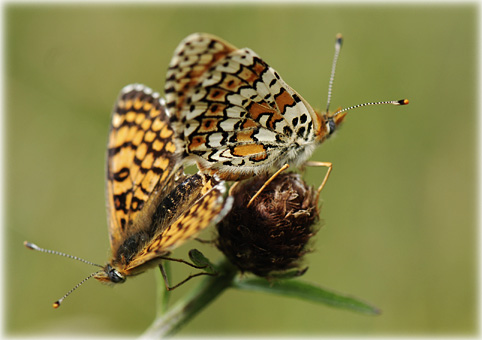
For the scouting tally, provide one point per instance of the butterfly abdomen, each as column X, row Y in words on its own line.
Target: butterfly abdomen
column 184, row 194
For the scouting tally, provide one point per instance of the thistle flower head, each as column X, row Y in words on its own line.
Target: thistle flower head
column 269, row 237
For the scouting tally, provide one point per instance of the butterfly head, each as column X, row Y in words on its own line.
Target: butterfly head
column 327, row 124
column 333, row 120
column 110, row 275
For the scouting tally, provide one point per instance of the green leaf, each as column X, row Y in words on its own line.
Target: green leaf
column 306, row 291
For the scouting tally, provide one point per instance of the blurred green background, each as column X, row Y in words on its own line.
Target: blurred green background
column 399, row 209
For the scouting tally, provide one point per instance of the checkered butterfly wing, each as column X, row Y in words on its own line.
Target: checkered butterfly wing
column 189, row 208
column 232, row 113
column 140, row 161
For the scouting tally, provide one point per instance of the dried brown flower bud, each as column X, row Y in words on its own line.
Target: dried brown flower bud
column 269, row 237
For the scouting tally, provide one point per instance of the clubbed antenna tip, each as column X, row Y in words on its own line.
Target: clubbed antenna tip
column 57, row 303
column 30, row 245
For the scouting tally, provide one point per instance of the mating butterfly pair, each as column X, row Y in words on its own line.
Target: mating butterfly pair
column 227, row 111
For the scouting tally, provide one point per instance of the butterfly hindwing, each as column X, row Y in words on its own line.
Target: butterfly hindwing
column 197, row 202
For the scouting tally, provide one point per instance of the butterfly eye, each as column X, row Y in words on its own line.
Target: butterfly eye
column 330, row 126
column 115, row 276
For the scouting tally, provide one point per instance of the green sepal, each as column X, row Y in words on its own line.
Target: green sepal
column 200, row 260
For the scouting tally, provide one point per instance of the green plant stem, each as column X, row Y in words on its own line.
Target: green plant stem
column 163, row 294
column 186, row 308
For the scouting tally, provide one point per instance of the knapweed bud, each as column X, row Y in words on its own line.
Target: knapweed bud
column 270, row 237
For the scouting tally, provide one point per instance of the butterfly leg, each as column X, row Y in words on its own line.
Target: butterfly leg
column 283, row 168
column 324, row 164
column 166, row 280
column 230, row 193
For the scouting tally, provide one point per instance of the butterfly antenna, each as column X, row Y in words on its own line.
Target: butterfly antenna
column 57, row 303
column 339, row 40
column 48, row 251
column 391, row 102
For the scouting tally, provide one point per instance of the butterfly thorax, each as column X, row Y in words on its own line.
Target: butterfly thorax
column 301, row 149
column 130, row 247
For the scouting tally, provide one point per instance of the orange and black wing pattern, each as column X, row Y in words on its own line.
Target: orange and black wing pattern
column 190, row 207
column 140, row 161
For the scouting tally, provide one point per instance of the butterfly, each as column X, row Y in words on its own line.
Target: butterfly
column 235, row 116
column 152, row 206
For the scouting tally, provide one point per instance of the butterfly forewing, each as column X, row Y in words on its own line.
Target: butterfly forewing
column 140, row 160
column 238, row 117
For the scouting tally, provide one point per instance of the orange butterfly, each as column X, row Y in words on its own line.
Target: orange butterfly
column 153, row 207
column 235, row 116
